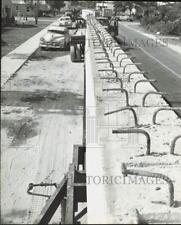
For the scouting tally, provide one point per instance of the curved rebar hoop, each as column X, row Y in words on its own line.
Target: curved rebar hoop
column 130, row 64
column 111, row 70
column 125, row 108
column 142, row 81
column 125, row 59
column 135, row 72
column 122, row 53
column 116, row 45
column 151, row 92
column 136, row 131
column 32, row 185
column 126, row 171
column 113, row 78
column 172, row 147
column 161, row 109
column 116, row 49
column 119, row 89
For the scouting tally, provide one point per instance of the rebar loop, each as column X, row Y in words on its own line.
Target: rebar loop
column 130, row 64
column 125, row 59
column 31, row 186
column 142, row 81
column 119, row 89
column 162, row 109
column 151, row 92
column 172, row 147
column 113, row 78
column 135, row 72
column 137, row 131
column 126, row 172
column 125, row 108
column 116, row 49
column 108, row 61
column 111, row 70
column 122, row 53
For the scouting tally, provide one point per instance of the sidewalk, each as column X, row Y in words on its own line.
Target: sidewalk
column 13, row 61
column 174, row 43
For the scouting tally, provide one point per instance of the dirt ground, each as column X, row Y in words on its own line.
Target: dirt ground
column 41, row 118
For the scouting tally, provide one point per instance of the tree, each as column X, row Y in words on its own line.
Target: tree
column 35, row 6
column 55, row 4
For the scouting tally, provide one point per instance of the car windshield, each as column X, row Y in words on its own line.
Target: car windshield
column 57, row 31
column 104, row 22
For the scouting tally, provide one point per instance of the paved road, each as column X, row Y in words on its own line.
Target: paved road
column 162, row 63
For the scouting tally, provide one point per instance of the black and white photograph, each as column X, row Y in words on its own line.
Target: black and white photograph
column 90, row 112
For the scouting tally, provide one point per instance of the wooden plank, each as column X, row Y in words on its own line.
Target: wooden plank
column 69, row 217
column 53, row 203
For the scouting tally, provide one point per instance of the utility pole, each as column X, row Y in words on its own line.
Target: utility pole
column 36, row 10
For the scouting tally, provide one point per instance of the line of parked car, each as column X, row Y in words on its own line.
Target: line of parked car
column 57, row 35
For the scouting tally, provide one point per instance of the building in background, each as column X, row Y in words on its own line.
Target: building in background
column 7, row 12
column 105, row 4
column 22, row 8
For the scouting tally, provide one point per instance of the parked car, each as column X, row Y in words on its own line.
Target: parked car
column 56, row 38
column 123, row 17
column 65, row 21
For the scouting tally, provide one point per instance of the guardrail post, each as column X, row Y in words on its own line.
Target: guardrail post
column 126, row 171
column 142, row 81
column 137, row 131
column 172, row 147
column 151, row 92
column 125, row 108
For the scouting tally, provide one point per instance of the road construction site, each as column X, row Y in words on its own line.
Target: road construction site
column 89, row 142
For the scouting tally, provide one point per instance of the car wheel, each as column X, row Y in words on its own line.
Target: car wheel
column 72, row 53
column 78, row 53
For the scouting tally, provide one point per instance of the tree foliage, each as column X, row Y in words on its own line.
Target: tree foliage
column 56, row 4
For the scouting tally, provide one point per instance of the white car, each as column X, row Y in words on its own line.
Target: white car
column 56, row 37
column 123, row 17
column 65, row 21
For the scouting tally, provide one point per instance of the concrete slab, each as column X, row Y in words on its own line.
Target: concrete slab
column 113, row 198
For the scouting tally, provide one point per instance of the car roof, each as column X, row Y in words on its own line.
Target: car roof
column 62, row 28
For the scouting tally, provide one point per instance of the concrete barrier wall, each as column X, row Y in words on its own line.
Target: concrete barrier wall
column 126, row 202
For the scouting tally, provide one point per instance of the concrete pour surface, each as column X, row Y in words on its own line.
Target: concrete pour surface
column 119, row 199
